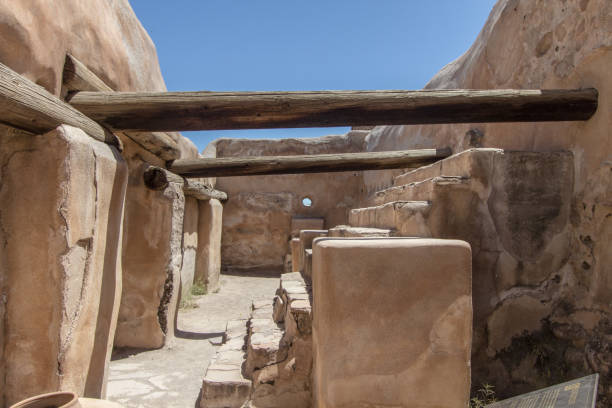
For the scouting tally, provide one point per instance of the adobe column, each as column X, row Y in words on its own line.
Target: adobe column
column 392, row 322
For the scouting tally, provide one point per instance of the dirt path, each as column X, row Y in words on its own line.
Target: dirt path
column 171, row 377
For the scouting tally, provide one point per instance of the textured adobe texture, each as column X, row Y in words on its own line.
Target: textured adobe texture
column 392, row 322
column 152, row 256
column 539, row 44
column 208, row 260
column 61, row 214
column 257, row 218
column 190, row 244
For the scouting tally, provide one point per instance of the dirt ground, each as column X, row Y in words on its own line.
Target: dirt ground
column 171, row 377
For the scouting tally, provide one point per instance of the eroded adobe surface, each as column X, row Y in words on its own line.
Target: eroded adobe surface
column 62, row 197
column 547, row 322
column 257, row 219
column 410, row 296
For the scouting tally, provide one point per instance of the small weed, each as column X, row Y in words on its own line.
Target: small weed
column 484, row 396
column 188, row 302
column 199, row 289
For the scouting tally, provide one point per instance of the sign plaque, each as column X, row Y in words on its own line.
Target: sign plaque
column 579, row 393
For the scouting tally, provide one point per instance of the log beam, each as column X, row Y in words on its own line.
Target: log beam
column 157, row 178
column 319, row 163
column 27, row 106
column 77, row 77
column 201, row 191
column 166, row 111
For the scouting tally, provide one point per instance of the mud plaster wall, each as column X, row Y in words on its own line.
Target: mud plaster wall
column 190, row 244
column 152, row 256
column 61, row 209
column 108, row 38
column 257, row 215
column 543, row 330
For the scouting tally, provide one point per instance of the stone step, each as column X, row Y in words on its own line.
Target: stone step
column 474, row 163
column 286, row 382
column 407, row 218
column 224, row 385
column 347, row 231
column 265, row 338
column 425, row 190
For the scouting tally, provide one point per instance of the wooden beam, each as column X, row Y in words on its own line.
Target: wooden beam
column 157, row 178
column 27, row 106
column 164, row 111
column 77, row 77
column 318, row 163
column 201, row 191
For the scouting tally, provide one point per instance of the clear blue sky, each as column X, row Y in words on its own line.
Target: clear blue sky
column 259, row 45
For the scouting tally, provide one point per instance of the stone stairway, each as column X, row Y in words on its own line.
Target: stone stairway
column 265, row 361
column 464, row 195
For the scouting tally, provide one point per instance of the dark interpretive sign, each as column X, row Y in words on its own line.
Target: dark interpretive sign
column 580, row 393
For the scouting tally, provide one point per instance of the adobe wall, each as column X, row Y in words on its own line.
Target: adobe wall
column 151, row 256
column 392, row 322
column 257, row 215
column 61, row 211
column 208, row 257
column 68, row 247
column 539, row 44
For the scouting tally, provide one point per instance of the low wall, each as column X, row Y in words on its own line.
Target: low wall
column 392, row 322
column 257, row 215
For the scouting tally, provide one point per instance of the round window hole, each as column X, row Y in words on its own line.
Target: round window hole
column 306, row 202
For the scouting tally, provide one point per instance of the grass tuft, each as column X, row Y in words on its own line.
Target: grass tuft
column 484, row 396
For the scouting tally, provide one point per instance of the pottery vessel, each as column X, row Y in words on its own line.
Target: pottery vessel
column 64, row 399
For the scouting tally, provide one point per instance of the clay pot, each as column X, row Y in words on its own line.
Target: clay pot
column 51, row 400
column 64, row 399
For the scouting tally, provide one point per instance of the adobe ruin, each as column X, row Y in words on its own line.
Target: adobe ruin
column 486, row 263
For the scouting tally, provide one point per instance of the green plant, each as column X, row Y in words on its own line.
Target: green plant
column 484, row 395
column 188, row 302
column 199, row 289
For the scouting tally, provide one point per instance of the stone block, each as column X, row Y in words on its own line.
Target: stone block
column 264, row 346
column 290, row 277
column 235, row 328
column 307, row 236
column 208, row 259
column 308, row 264
column 306, row 223
column 278, row 312
column 415, row 295
column 224, row 387
column 295, row 254
column 346, row 231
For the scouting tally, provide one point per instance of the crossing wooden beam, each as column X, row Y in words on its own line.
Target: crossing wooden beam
column 318, row 163
column 157, row 178
column 27, row 106
column 174, row 111
column 77, row 77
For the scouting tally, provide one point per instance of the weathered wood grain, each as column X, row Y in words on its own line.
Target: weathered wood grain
column 157, row 178
column 201, row 191
column 165, row 111
column 320, row 163
column 27, row 106
column 77, row 77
